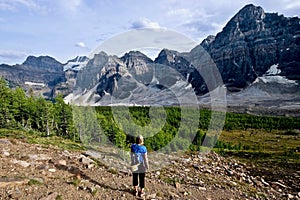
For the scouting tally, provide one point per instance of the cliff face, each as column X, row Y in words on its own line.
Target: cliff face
column 189, row 65
column 249, row 46
column 251, row 42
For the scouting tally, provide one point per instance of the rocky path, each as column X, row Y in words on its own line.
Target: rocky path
column 29, row 171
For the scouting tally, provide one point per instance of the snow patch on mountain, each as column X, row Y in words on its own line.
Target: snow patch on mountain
column 273, row 76
column 272, row 90
column 83, row 98
column 273, row 70
column 276, row 79
column 34, row 84
column 76, row 64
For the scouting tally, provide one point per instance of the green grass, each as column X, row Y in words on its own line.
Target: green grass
column 76, row 182
column 44, row 141
column 34, row 182
column 15, row 134
column 59, row 197
column 275, row 145
column 56, row 141
column 112, row 171
column 94, row 192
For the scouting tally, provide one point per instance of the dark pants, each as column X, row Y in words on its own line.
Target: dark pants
column 139, row 178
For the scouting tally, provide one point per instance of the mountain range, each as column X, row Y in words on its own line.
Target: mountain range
column 257, row 55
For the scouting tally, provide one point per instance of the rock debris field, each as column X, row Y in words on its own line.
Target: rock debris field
column 32, row 171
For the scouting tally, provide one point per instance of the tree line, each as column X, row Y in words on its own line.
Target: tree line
column 35, row 114
column 178, row 133
column 165, row 128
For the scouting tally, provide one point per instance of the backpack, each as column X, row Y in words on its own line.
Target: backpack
column 136, row 158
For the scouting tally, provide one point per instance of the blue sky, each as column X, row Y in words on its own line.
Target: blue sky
column 67, row 28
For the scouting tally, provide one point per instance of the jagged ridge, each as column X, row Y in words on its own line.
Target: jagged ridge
column 250, row 43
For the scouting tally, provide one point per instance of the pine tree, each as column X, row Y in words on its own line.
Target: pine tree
column 63, row 121
column 5, row 104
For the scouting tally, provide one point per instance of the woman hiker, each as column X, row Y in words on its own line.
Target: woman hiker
column 139, row 164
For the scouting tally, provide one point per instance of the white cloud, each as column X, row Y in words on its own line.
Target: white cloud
column 144, row 23
column 6, row 6
column 11, row 54
column 71, row 5
column 27, row 3
column 81, row 45
column 292, row 5
column 15, row 4
column 182, row 12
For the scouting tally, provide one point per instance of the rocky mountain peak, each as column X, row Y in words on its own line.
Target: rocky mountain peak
column 249, row 12
column 43, row 63
column 98, row 58
column 251, row 42
column 165, row 52
column 135, row 59
column 249, row 18
column 248, row 21
column 76, row 64
column 207, row 41
column 79, row 59
column 166, row 57
column 136, row 54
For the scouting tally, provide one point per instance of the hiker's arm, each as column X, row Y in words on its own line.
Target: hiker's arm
column 146, row 161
